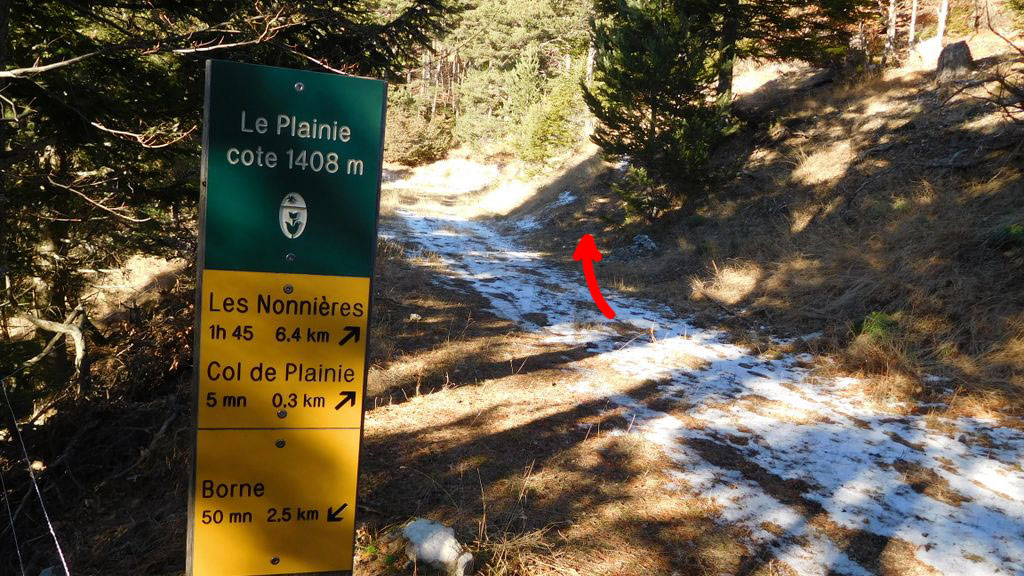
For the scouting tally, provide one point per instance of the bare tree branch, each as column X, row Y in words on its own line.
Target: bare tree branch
column 53, row 341
column 144, row 140
column 69, row 329
column 31, row 70
column 1011, row 104
column 150, row 46
column 988, row 17
column 318, row 61
column 144, row 453
column 115, row 211
column 269, row 32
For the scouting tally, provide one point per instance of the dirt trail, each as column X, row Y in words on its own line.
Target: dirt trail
column 822, row 478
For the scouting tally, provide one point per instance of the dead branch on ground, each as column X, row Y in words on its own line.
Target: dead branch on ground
column 72, row 329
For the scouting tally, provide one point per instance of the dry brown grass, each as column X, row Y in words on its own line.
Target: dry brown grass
column 731, row 284
column 880, row 555
column 869, row 198
column 536, row 477
column 834, row 216
column 928, row 482
column 531, row 491
column 453, row 342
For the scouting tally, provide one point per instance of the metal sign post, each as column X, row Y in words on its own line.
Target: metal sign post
column 288, row 232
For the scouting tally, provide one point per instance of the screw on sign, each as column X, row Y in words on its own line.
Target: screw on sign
column 291, row 172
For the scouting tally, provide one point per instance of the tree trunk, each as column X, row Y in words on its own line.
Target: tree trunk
column 591, row 54
column 913, row 23
column 425, row 72
column 652, row 132
column 71, row 328
column 5, row 9
column 727, row 59
column 59, row 283
column 60, row 278
column 438, row 79
column 890, row 34
column 980, row 14
column 943, row 14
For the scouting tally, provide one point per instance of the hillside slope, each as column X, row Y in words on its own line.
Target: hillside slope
column 560, row 442
column 882, row 217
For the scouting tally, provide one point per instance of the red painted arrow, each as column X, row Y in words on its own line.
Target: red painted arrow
column 587, row 252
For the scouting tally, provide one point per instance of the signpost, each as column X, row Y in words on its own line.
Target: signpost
column 288, row 231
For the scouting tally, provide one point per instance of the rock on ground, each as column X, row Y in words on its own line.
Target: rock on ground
column 955, row 62
column 641, row 246
column 433, row 543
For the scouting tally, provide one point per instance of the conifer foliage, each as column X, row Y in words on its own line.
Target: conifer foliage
column 663, row 77
column 102, row 106
column 653, row 86
column 815, row 31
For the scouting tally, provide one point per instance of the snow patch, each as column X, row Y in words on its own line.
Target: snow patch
column 843, row 452
column 564, row 199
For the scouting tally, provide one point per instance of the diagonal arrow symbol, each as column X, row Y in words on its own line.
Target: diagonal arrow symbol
column 335, row 515
column 348, row 397
column 351, row 332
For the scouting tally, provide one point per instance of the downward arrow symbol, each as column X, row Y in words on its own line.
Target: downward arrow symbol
column 335, row 515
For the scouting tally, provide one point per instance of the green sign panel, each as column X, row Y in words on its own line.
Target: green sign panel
column 291, row 183
column 273, row 131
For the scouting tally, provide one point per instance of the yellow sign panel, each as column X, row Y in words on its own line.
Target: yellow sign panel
column 281, row 369
column 274, row 501
column 281, row 350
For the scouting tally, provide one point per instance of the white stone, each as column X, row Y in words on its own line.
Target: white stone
column 433, row 543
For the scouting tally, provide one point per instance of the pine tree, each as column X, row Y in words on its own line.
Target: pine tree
column 550, row 125
column 510, row 55
column 816, row 31
column 653, row 86
column 102, row 104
